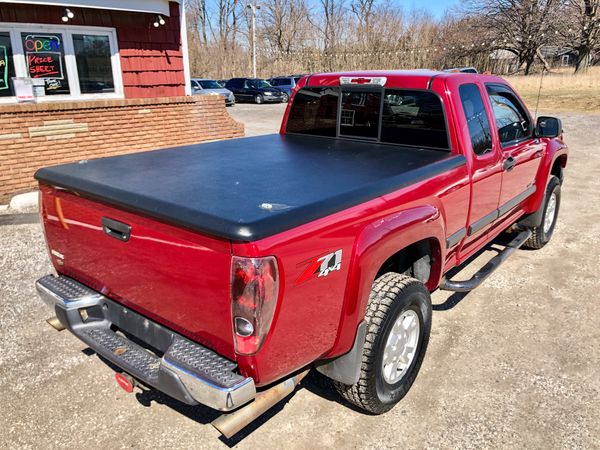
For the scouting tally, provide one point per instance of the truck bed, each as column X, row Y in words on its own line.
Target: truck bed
column 250, row 188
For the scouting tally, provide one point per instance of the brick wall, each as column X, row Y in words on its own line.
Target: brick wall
column 37, row 135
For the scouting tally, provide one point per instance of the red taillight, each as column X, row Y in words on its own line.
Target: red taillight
column 254, row 291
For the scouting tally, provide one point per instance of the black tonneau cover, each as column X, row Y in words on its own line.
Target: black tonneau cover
column 250, row 188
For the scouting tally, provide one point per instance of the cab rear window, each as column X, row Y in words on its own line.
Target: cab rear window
column 314, row 112
column 395, row 116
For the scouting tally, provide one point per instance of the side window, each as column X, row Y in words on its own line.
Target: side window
column 413, row 118
column 246, row 85
column 477, row 120
column 512, row 121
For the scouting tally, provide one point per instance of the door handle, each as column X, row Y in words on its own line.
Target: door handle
column 116, row 229
column 509, row 163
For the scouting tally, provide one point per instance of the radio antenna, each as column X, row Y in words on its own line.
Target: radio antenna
column 537, row 103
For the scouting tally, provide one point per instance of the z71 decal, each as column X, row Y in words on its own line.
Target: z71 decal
column 321, row 266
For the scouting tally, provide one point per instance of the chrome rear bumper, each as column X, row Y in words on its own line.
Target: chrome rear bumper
column 176, row 366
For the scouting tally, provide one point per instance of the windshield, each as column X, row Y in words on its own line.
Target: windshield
column 258, row 84
column 209, row 84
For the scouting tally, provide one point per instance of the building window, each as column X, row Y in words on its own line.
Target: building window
column 94, row 71
column 7, row 67
column 70, row 62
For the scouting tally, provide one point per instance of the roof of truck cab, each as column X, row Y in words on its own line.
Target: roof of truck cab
column 414, row 79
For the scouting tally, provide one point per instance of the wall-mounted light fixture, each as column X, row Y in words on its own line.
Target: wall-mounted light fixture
column 158, row 21
column 67, row 15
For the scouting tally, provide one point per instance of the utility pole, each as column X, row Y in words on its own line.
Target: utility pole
column 253, row 9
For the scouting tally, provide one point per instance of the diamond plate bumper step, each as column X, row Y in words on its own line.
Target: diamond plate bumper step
column 155, row 355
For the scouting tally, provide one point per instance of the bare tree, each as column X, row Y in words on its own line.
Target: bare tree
column 285, row 24
column 301, row 36
column 333, row 11
column 582, row 30
column 363, row 11
column 521, row 27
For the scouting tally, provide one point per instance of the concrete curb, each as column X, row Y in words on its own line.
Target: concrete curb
column 25, row 201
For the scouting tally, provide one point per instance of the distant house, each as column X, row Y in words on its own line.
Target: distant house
column 559, row 56
column 504, row 61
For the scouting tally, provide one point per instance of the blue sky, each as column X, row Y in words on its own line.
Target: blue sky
column 435, row 7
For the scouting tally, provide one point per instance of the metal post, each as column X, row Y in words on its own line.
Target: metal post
column 253, row 8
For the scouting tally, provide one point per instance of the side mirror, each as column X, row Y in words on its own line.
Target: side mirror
column 548, row 127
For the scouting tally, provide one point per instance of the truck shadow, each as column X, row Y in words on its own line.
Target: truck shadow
column 200, row 414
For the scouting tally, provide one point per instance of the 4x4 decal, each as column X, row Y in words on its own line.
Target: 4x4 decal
column 321, row 266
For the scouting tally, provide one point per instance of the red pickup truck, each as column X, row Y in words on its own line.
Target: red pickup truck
column 213, row 271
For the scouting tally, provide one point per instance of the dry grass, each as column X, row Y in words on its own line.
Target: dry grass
column 561, row 91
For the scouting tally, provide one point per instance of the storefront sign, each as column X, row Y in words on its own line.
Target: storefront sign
column 44, row 56
column 45, row 65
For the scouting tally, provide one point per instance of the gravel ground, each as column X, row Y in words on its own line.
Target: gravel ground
column 512, row 364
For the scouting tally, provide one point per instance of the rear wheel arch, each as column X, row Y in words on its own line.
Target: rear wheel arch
column 421, row 260
column 388, row 240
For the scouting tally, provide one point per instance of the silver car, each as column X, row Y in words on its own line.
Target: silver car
column 203, row 86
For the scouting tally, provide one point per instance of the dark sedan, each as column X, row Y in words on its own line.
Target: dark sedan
column 255, row 90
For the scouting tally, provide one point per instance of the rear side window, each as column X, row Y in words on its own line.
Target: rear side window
column 360, row 114
column 314, row 111
column 477, row 120
column 235, row 83
column 413, row 118
column 511, row 120
column 281, row 82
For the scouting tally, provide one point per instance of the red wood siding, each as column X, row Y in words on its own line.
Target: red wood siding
column 151, row 58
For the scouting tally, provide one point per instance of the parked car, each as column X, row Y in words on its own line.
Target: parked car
column 216, row 271
column 255, row 90
column 204, row 86
column 286, row 84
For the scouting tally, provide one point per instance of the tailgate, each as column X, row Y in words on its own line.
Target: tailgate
column 173, row 276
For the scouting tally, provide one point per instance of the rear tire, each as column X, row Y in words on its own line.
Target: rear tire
column 259, row 100
column 398, row 306
column 285, row 98
column 542, row 234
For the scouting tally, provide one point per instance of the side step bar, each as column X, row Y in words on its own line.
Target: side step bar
column 488, row 269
